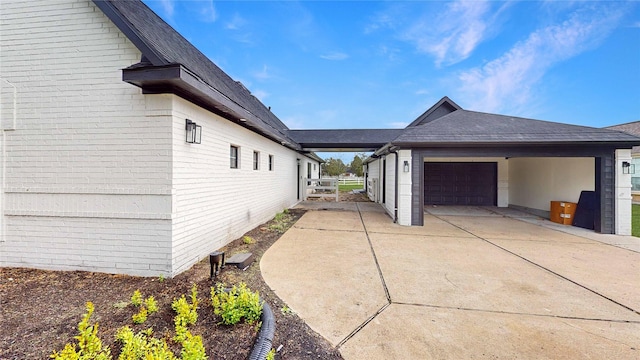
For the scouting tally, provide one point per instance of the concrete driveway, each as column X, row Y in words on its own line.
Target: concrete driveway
column 470, row 283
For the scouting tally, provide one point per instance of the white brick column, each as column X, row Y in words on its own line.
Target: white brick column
column 622, row 194
column 404, row 188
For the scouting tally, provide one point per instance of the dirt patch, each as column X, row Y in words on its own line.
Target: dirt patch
column 41, row 309
column 344, row 196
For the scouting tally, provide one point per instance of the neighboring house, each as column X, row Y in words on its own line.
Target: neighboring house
column 125, row 150
column 452, row 156
column 632, row 128
column 97, row 173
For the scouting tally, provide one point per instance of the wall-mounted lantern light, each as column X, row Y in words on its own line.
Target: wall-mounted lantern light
column 628, row 168
column 193, row 132
column 406, row 166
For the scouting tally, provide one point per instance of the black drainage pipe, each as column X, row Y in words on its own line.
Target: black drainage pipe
column 264, row 342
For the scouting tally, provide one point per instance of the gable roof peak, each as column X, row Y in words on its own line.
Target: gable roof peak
column 443, row 107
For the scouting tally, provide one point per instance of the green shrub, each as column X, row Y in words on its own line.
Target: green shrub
column 89, row 344
column 186, row 313
column 192, row 348
column 147, row 307
column 142, row 346
column 136, row 298
column 151, row 304
column 237, row 304
column 281, row 222
column 140, row 317
column 271, row 355
column 248, row 240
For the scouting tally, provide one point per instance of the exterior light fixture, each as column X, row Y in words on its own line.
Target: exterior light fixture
column 193, row 132
column 628, row 168
column 406, row 166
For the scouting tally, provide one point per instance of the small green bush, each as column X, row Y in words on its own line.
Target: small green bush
column 89, row 344
column 151, row 304
column 248, row 240
column 186, row 314
column 136, row 298
column 271, row 355
column 140, row 317
column 192, row 348
column 147, row 307
column 237, row 304
column 142, row 346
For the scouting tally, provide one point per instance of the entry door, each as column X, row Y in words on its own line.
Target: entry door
column 461, row 183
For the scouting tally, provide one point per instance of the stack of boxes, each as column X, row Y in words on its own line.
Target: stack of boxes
column 563, row 212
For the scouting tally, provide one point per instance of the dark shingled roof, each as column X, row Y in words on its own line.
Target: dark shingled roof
column 632, row 128
column 348, row 139
column 172, row 64
column 162, row 46
column 471, row 127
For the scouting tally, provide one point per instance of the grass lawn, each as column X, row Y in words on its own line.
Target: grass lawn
column 350, row 187
column 635, row 220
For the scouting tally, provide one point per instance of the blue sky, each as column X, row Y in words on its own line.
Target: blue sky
column 380, row 64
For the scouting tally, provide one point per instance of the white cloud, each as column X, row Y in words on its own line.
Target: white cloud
column 294, row 122
column 169, row 7
column 508, row 82
column 236, row 22
column 260, row 95
column 398, row 124
column 335, row 56
column 262, row 74
column 453, row 35
column 208, row 12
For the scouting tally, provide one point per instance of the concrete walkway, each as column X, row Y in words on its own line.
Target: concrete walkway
column 471, row 283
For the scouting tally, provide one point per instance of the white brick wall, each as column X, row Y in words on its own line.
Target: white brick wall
column 623, row 194
column 404, row 188
column 97, row 175
column 214, row 204
column 87, row 180
column 390, row 184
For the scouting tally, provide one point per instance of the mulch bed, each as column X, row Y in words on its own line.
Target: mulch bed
column 41, row 309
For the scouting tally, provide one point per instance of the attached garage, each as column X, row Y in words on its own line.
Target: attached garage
column 467, row 158
column 461, row 183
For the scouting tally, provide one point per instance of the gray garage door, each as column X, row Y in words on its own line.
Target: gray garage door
column 460, row 183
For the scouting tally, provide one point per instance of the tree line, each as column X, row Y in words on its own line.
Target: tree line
column 336, row 167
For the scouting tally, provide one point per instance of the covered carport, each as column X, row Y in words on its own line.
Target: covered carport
column 452, row 156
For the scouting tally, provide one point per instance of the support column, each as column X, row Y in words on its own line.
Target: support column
column 622, row 193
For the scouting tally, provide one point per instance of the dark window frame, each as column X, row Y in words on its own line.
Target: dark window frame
column 234, row 159
column 256, row 160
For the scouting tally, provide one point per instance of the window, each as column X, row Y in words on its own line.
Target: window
column 234, row 157
column 308, row 170
column 256, row 160
column 270, row 162
column 635, row 175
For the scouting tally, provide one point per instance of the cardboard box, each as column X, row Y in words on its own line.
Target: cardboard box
column 562, row 212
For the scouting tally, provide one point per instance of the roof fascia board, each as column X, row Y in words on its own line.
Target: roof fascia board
column 130, row 32
column 614, row 144
column 178, row 80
